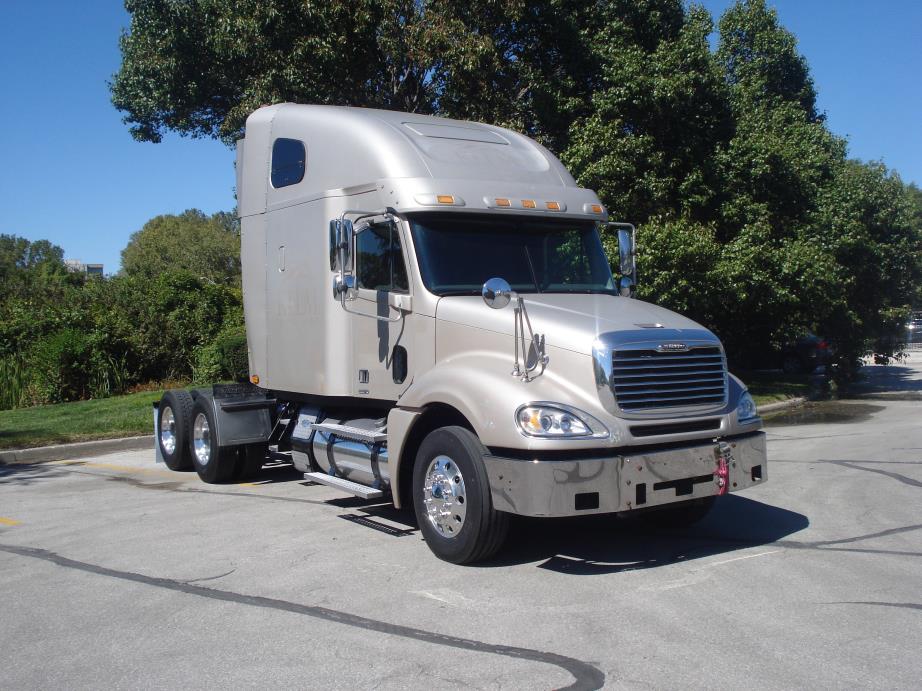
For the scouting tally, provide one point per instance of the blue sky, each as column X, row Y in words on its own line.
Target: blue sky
column 71, row 173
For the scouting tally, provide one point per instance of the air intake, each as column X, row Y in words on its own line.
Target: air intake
column 645, row 380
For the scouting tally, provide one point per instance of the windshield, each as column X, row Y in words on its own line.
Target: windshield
column 457, row 255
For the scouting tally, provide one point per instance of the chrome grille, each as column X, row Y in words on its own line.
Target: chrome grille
column 648, row 379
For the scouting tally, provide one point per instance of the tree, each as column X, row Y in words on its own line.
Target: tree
column 761, row 61
column 200, row 67
column 657, row 115
column 26, row 266
column 867, row 220
column 206, row 247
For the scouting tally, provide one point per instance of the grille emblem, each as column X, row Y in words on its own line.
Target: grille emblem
column 672, row 348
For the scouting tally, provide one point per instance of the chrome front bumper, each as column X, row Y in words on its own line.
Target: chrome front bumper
column 537, row 487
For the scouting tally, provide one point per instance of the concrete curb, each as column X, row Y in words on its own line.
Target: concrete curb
column 781, row 405
column 63, row 452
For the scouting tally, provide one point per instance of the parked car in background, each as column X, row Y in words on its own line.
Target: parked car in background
column 800, row 356
column 805, row 354
column 914, row 332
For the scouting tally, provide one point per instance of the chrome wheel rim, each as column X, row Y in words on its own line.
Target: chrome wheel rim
column 201, row 439
column 168, row 431
column 444, row 496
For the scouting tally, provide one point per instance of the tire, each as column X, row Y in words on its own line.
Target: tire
column 451, row 498
column 174, row 425
column 213, row 463
column 249, row 462
column 681, row 515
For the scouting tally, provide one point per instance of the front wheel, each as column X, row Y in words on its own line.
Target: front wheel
column 451, row 497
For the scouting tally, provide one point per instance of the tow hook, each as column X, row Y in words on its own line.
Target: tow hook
column 724, row 457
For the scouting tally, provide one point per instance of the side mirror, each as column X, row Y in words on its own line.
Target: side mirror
column 626, row 250
column 497, row 293
column 627, row 263
column 341, row 234
column 346, row 233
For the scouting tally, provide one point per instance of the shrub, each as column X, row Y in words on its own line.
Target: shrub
column 224, row 358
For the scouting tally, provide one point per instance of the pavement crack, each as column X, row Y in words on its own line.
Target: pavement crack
column 178, row 487
column 209, row 578
column 895, row 476
column 868, row 536
column 586, row 677
column 901, row 605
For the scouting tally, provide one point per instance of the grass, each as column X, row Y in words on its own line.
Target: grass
column 771, row 387
column 104, row 418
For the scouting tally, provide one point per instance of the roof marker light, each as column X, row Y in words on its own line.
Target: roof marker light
column 445, row 199
column 552, row 206
column 529, row 204
column 503, row 202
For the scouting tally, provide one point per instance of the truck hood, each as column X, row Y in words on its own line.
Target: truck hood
column 574, row 321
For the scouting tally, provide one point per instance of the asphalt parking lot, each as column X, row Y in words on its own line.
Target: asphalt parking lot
column 117, row 573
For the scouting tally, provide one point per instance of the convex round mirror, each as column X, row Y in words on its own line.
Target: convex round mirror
column 496, row 293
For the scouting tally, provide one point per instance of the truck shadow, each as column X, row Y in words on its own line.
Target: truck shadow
column 603, row 544
column 886, row 379
column 27, row 473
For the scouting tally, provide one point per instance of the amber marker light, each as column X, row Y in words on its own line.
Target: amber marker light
column 596, row 208
column 254, row 378
column 503, row 202
column 552, row 206
column 529, row 204
column 445, row 199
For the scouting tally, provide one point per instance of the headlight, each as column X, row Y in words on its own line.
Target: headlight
column 554, row 420
column 746, row 408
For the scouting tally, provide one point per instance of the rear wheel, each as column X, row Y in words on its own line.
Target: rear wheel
column 249, row 463
column 213, row 463
column 451, row 497
column 174, row 420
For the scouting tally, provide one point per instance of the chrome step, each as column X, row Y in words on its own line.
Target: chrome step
column 372, row 436
column 354, row 488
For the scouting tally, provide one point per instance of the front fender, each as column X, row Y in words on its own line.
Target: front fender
column 479, row 385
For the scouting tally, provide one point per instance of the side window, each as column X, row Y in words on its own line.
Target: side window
column 379, row 259
column 288, row 162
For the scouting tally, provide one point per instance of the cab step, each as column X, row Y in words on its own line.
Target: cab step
column 353, row 488
column 370, row 436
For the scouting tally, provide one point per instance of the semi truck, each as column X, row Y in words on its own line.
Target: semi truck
column 432, row 320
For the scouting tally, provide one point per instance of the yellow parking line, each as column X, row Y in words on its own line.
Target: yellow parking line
column 8, row 521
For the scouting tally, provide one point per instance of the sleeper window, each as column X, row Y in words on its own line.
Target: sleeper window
column 288, row 162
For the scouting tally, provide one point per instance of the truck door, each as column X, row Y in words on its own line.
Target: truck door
column 381, row 349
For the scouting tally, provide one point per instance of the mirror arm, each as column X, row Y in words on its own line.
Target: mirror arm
column 342, row 285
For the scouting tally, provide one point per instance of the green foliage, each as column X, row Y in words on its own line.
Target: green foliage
column 760, row 60
column 657, row 115
column 13, row 382
column 224, row 358
column 200, row 68
column 63, row 337
column 206, row 247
